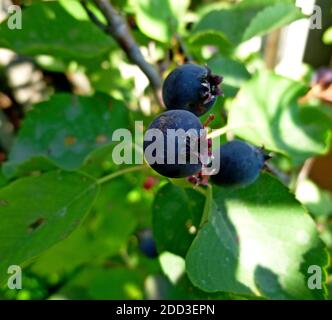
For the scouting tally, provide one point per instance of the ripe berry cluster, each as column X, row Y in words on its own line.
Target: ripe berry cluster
column 188, row 92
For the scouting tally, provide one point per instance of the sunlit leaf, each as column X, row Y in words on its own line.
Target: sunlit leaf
column 257, row 240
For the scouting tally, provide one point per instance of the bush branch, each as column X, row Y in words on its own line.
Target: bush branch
column 117, row 27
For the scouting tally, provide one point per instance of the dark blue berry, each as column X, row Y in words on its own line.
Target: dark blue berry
column 240, row 164
column 191, row 87
column 147, row 244
column 185, row 162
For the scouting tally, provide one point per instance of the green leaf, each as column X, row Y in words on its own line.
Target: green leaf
column 32, row 166
column 176, row 214
column 159, row 20
column 233, row 21
column 257, row 240
column 230, row 22
column 327, row 38
column 67, row 255
column 234, row 73
column 272, row 18
column 211, row 37
column 184, row 289
column 99, row 162
column 267, row 114
column 37, row 212
column 263, row 3
column 102, row 235
column 65, row 130
column 118, row 209
column 75, row 9
column 50, row 29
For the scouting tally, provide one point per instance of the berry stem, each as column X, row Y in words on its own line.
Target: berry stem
column 284, row 178
column 114, row 175
column 209, row 119
column 218, row 132
column 207, row 206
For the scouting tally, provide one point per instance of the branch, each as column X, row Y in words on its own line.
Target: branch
column 305, row 171
column 119, row 30
column 284, row 178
